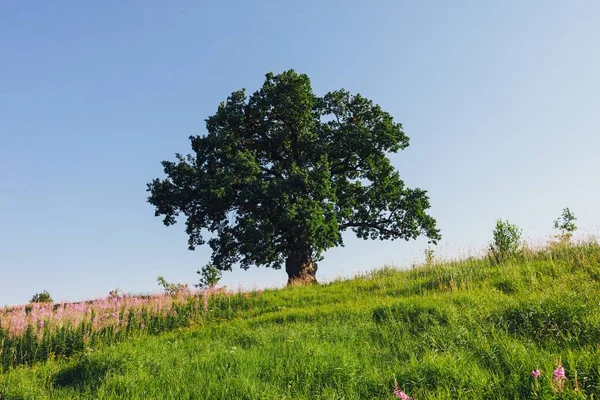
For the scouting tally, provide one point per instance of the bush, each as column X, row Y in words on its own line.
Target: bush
column 209, row 276
column 507, row 239
column 43, row 297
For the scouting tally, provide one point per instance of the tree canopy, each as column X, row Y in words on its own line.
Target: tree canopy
column 281, row 174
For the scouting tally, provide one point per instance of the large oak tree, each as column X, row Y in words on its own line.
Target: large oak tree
column 280, row 175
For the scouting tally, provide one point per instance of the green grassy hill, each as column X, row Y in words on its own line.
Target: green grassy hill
column 468, row 329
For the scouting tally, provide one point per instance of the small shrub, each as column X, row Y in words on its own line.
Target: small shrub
column 209, row 276
column 565, row 225
column 43, row 297
column 507, row 240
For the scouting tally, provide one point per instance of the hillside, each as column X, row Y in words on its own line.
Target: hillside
column 470, row 329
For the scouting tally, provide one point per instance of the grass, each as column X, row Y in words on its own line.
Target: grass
column 470, row 330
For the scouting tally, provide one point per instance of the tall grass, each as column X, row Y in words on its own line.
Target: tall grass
column 468, row 329
column 38, row 331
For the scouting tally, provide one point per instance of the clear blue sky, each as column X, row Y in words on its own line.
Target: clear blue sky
column 501, row 101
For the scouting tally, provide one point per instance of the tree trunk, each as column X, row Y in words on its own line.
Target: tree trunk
column 301, row 269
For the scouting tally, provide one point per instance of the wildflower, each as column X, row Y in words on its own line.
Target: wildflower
column 559, row 377
column 536, row 374
column 559, row 373
column 399, row 393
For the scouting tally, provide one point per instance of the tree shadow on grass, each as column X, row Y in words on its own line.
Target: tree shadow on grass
column 87, row 374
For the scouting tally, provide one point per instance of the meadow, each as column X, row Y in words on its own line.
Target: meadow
column 526, row 327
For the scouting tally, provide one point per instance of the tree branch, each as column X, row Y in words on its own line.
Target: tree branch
column 335, row 170
column 367, row 225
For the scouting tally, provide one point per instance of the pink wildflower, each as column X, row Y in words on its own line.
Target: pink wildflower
column 536, row 374
column 559, row 377
column 399, row 393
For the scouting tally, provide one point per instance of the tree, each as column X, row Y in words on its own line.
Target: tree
column 281, row 174
column 507, row 239
column 43, row 297
column 566, row 225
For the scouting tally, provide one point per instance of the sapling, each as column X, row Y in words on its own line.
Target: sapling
column 565, row 225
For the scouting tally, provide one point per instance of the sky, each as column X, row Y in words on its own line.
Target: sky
column 501, row 101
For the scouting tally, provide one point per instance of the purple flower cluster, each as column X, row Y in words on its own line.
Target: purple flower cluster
column 559, row 374
column 559, row 378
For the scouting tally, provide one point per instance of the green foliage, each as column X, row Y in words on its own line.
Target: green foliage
column 566, row 225
column 172, row 289
column 507, row 239
column 43, row 297
column 283, row 172
column 444, row 331
column 209, row 276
